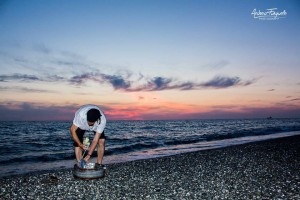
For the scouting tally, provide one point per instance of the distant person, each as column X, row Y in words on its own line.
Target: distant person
column 89, row 118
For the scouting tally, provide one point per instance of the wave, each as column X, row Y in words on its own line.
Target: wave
column 189, row 141
column 234, row 134
column 128, row 139
column 41, row 158
column 130, row 148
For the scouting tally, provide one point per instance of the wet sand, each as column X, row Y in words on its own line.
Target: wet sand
column 261, row 170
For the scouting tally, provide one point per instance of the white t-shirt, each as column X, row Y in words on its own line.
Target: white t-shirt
column 80, row 119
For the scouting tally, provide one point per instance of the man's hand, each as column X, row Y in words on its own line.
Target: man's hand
column 83, row 147
column 87, row 158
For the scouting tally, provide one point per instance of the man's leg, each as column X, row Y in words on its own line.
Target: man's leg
column 78, row 153
column 101, row 148
column 78, row 150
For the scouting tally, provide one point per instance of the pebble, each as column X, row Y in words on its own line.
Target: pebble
column 262, row 170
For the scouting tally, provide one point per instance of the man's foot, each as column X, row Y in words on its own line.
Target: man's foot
column 99, row 166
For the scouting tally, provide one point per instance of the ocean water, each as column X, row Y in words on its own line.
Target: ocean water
column 35, row 146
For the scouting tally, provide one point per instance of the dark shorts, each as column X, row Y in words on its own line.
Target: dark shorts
column 80, row 134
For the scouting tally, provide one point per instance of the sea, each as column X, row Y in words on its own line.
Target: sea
column 34, row 146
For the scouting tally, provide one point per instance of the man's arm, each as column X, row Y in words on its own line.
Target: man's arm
column 101, row 126
column 93, row 145
column 75, row 137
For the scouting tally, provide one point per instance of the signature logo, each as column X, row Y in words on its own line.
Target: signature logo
column 269, row 14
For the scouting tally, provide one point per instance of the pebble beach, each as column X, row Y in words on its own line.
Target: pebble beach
column 262, row 170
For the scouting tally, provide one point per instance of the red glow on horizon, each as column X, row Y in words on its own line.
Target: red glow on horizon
column 162, row 111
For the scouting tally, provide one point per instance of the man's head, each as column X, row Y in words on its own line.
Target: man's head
column 93, row 115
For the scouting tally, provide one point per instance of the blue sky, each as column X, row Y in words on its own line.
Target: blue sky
column 196, row 58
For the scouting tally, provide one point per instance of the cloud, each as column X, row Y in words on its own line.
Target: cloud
column 227, row 112
column 248, row 113
column 39, row 58
column 155, row 84
column 42, row 48
column 18, row 77
column 29, row 111
column 296, row 99
column 53, row 78
column 217, row 65
column 68, row 63
column 161, row 83
column 30, row 78
column 25, row 89
column 26, row 111
column 118, row 82
column 222, row 82
column 77, row 71
column 225, row 82
column 158, row 83
column 81, row 79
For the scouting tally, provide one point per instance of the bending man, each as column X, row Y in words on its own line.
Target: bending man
column 89, row 118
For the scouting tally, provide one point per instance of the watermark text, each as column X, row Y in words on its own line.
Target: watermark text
column 269, row 14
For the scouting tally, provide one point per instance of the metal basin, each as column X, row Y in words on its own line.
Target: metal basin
column 89, row 172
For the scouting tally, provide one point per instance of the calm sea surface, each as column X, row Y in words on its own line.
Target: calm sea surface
column 34, row 146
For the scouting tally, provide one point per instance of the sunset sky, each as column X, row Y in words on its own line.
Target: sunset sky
column 149, row 59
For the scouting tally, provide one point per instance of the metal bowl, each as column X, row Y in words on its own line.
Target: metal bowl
column 89, row 172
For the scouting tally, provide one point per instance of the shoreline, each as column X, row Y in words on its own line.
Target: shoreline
column 43, row 167
column 264, row 169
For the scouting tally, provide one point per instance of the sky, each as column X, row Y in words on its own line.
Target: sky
column 149, row 59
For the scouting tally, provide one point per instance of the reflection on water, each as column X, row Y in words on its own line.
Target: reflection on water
column 159, row 152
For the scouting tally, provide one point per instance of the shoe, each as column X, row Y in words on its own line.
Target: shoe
column 99, row 166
